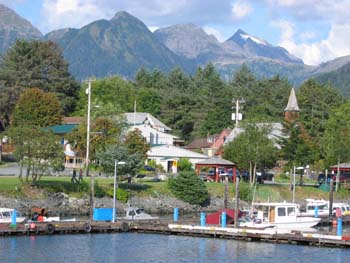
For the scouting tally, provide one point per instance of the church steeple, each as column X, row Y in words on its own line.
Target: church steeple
column 291, row 112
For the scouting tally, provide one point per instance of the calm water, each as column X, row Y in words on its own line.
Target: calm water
column 132, row 247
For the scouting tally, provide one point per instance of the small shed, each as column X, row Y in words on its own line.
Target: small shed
column 214, row 218
column 216, row 163
column 343, row 167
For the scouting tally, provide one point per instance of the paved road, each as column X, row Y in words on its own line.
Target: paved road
column 9, row 169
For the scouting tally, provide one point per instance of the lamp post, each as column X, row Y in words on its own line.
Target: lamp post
column 115, row 186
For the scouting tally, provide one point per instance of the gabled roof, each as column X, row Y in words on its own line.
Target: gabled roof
column 215, row 161
column 142, row 118
column 341, row 166
column 292, row 102
column 199, row 143
column 170, row 151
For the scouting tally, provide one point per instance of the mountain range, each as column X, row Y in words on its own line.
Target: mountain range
column 124, row 44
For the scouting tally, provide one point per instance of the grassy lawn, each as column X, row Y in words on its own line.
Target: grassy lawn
column 12, row 186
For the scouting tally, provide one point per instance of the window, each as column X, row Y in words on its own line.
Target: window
column 281, row 211
column 139, row 211
column 132, row 213
column 291, row 211
column 6, row 214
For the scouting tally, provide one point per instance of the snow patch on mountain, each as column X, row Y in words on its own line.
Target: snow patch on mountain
column 253, row 38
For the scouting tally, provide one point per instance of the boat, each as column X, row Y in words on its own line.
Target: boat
column 135, row 213
column 283, row 216
column 310, row 207
column 344, row 208
column 40, row 215
column 6, row 216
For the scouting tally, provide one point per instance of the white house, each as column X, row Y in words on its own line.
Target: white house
column 275, row 132
column 168, row 155
column 155, row 132
column 138, row 118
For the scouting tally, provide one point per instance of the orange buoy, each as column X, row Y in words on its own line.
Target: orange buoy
column 32, row 226
column 335, row 222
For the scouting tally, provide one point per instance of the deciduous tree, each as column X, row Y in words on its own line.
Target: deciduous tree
column 252, row 150
column 37, row 108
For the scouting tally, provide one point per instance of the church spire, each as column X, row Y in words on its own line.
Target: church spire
column 292, row 102
column 292, row 110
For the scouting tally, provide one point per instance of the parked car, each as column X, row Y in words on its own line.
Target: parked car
column 321, row 178
column 149, row 168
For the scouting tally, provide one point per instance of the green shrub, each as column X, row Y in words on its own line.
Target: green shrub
column 184, row 164
column 122, row 195
column 245, row 191
column 189, row 188
column 99, row 191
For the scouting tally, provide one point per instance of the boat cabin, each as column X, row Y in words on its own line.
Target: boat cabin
column 6, row 215
column 276, row 212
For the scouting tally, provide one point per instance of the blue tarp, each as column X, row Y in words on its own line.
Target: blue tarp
column 103, row 214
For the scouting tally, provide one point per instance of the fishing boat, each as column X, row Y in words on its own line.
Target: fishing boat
column 7, row 213
column 135, row 213
column 315, row 207
column 283, row 216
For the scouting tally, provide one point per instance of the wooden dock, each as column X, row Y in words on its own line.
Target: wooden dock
column 165, row 227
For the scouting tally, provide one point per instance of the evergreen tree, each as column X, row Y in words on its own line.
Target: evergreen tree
column 189, row 188
column 35, row 64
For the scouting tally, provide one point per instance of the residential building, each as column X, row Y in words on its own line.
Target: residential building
column 168, row 155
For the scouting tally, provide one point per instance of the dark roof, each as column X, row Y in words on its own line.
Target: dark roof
column 62, row 129
column 215, row 161
column 199, row 144
column 72, row 120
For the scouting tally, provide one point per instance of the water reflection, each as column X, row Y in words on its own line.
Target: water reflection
column 142, row 248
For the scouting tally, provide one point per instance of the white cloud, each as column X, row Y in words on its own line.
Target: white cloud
column 214, row 32
column 70, row 13
column 240, row 9
column 77, row 13
column 335, row 45
column 308, row 35
column 306, row 10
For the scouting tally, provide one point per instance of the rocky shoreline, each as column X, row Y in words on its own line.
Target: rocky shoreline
column 60, row 204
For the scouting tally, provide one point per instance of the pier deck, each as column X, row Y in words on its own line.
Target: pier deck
column 166, row 227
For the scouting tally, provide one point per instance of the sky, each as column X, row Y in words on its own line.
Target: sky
column 313, row 30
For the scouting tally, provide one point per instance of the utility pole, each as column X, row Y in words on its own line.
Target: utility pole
column 237, row 116
column 87, row 160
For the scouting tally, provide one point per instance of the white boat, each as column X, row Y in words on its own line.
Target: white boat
column 311, row 204
column 135, row 213
column 284, row 216
column 6, row 216
column 344, row 208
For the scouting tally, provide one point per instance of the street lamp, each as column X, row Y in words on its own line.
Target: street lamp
column 87, row 160
column 115, row 186
column 295, row 168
